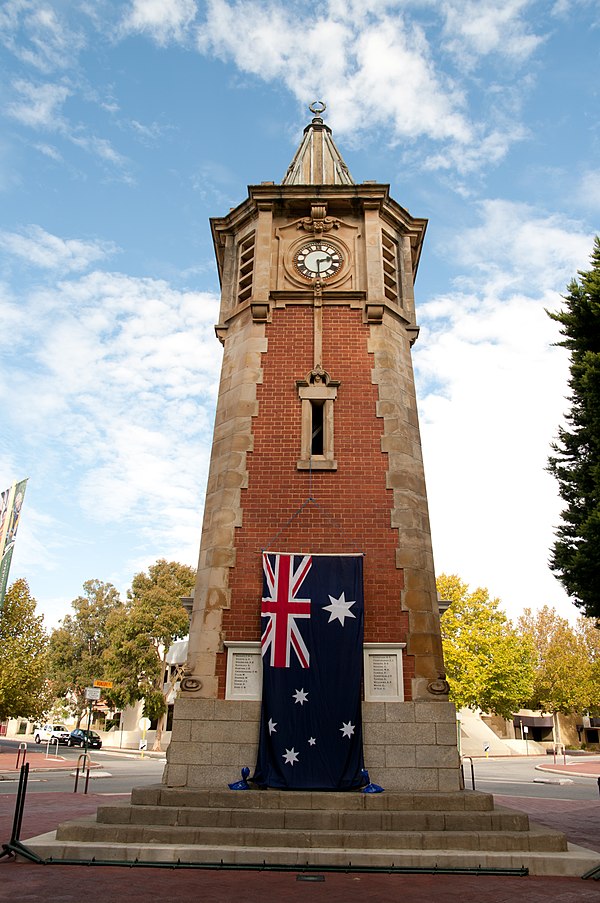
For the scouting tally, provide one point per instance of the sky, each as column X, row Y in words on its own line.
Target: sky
column 126, row 124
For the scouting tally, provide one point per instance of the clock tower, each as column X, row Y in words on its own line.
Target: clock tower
column 316, row 485
column 316, row 451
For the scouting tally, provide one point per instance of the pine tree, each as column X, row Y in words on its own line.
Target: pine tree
column 575, row 557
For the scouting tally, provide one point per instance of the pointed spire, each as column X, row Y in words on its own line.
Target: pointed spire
column 317, row 161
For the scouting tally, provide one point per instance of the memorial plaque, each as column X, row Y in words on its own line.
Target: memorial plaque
column 383, row 672
column 244, row 671
column 384, row 669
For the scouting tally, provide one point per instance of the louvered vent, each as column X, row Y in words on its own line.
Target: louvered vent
column 390, row 267
column 246, row 268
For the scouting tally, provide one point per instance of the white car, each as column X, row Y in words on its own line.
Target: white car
column 54, row 732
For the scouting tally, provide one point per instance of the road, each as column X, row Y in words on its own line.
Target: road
column 118, row 771
column 514, row 776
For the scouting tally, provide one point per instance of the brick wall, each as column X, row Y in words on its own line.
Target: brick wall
column 353, row 506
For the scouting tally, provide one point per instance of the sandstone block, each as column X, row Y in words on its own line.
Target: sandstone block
column 437, row 756
column 435, row 712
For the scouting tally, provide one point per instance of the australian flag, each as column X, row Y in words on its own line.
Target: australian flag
column 312, row 644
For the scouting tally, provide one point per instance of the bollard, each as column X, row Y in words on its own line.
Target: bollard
column 83, row 762
column 53, row 741
column 22, row 749
column 463, row 759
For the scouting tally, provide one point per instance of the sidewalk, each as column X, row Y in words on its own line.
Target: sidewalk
column 28, row 883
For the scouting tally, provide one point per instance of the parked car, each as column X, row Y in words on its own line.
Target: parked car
column 78, row 738
column 53, row 732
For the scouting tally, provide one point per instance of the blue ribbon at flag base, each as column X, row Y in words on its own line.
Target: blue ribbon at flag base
column 243, row 784
column 312, row 648
column 369, row 788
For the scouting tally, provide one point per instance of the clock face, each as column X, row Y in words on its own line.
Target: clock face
column 318, row 259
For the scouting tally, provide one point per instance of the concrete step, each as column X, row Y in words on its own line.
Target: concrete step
column 314, row 819
column 295, row 829
column 574, row 862
column 159, row 795
column 537, row 839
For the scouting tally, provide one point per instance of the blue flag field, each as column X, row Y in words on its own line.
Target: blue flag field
column 312, row 650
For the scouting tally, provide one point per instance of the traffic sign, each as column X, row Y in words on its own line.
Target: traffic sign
column 92, row 693
column 105, row 684
column 144, row 724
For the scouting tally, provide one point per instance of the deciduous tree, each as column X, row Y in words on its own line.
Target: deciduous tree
column 488, row 665
column 23, row 656
column 575, row 557
column 78, row 647
column 142, row 633
column 566, row 669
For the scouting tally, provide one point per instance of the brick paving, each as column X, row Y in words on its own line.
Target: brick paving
column 23, row 882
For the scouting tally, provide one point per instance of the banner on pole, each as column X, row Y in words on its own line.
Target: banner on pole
column 312, row 649
column 11, row 502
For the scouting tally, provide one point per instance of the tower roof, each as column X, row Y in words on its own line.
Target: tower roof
column 317, row 161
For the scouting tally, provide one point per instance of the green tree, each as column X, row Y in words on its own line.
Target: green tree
column 23, row 664
column 488, row 665
column 575, row 557
column 78, row 646
column 567, row 669
column 142, row 634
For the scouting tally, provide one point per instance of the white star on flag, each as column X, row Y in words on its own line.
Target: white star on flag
column 311, row 741
column 290, row 756
column 300, row 696
column 272, row 726
column 347, row 729
column 339, row 609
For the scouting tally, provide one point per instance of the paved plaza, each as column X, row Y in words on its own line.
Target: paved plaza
column 23, row 882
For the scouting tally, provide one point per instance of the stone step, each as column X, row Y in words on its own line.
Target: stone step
column 536, row 839
column 575, row 862
column 314, row 819
column 157, row 794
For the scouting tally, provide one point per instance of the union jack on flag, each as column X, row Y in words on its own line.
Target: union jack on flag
column 283, row 577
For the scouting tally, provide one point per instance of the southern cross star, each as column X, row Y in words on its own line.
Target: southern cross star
column 290, row 756
column 311, row 741
column 272, row 726
column 347, row 729
column 300, row 696
column 339, row 609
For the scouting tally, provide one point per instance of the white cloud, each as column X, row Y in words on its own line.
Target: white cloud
column 519, row 247
column 163, row 20
column 49, row 151
column 38, row 36
column 39, row 105
column 477, row 28
column 101, row 148
column 42, row 249
column 120, row 379
column 380, row 71
column 588, row 193
column 381, row 66
column 492, row 387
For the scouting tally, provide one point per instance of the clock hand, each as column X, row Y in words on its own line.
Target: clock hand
column 321, row 260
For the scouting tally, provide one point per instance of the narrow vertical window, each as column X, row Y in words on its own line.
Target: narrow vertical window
column 317, row 431
column 317, row 394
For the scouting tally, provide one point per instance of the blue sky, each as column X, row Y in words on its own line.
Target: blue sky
column 125, row 125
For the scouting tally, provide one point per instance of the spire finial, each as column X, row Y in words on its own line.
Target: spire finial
column 316, row 108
